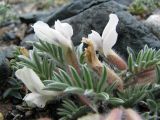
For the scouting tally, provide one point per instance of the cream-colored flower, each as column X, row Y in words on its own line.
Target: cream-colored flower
column 60, row 36
column 38, row 97
column 108, row 39
column 91, row 117
column 109, row 36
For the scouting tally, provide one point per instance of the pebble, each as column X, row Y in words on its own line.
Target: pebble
column 153, row 22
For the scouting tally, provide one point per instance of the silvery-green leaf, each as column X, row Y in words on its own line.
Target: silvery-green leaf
column 74, row 90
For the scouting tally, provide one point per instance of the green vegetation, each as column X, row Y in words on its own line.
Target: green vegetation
column 6, row 13
column 48, row 62
column 141, row 7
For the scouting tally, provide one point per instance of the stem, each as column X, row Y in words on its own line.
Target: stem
column 143, row 77
column 71, row 59
column 85, row 101
column 97, row 66
column 115, row 59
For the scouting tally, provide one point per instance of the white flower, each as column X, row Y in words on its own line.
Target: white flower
column 38, row 97
column 109, row 36
column 61, row 35
column 91, row 116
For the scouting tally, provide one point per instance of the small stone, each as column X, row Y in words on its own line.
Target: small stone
column 153, row 22
column 20, row 108
column 28, row 114
column 10, row 36
column 8, row 51
column 27, row 41
column 154, row 19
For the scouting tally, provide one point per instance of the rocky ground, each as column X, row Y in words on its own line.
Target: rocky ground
column 84, row 16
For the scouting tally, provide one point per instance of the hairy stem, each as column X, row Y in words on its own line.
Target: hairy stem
column 116, row 60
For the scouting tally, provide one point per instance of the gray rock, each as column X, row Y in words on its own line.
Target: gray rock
column 76, row 7
column 28, row 40
column 33, row 17
column 87, row 15
column 131, row 32
column 8, row 36
column 124, row 2
column 7, row 51
column 153, row 22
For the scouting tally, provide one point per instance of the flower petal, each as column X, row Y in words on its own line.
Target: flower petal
column 30, row 79
column 35, row 99
column 111, row 25
column 115, row 114
column 97, row 40
column 109, row 41
column 61, row 40
column 33, row 82
column 132, row 115
column 91, row 116
column 64, row 28
column 109, row 34
column 44, row 32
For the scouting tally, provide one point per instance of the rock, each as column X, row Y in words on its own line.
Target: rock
column 28, row 114
column 33, row 17
column 157, row 11
column 125, row 2
column 131, row 32
column 7, row 51
column 26, row 42
column 4, row 68
column 76, row 7
column 87, row 15
column 153, row 22
column 9, row 36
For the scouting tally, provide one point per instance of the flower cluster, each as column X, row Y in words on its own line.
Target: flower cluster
column 61, row 36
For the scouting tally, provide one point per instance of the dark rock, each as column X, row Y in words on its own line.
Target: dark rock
column 27, row 41
column 131, row 32
column 33, row 17
column 73, row 8
column 5, row 69
column 76, row 7
column 10, row 36
column 87, row 15
column 8, row 51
